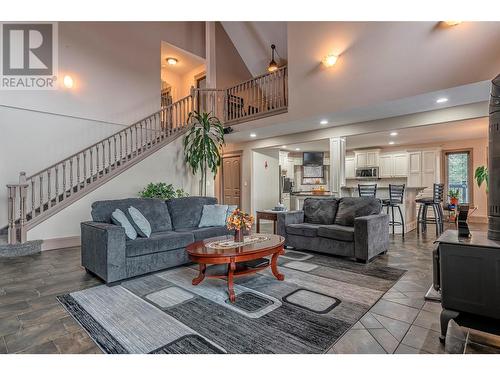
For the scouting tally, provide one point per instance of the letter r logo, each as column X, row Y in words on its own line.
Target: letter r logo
column 27, row 49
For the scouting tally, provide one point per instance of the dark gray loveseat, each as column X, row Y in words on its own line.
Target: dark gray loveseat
column 108, row 254
column 351, row 227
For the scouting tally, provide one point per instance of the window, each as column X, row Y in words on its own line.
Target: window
column 458, row 174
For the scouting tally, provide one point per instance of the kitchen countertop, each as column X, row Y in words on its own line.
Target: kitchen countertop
column 310, row 194
column 386, row 187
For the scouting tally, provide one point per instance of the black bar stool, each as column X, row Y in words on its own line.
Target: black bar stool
column 367, row 190
column 396, row 196
column 436, row 203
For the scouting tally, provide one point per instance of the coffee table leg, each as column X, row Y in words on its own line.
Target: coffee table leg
column 201, row 274
column 230, row 283
column 274, row 265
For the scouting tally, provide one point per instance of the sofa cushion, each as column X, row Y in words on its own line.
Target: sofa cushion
column 303, row 229
column 206, row 232
column 186, row 212
column 353, row 207
column 154, row 210
column 213, row 215
column 158, row 242
column 320, row 211
column 337, row 232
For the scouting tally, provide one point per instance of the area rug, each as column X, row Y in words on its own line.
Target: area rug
column 319, row 300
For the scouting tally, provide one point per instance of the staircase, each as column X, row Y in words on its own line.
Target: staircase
column 39, row 196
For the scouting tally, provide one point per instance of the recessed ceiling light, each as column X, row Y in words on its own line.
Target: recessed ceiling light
column 283, row 146
column 393, row 134
column 442, row 100
column 323, row 122
column 297, row 149
column 172, row 61
column 253, row 135
column 391, row 142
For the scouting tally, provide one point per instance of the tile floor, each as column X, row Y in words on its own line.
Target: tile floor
column 32, row 321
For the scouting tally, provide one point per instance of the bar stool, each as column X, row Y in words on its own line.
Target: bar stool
column 436, row 202
column 396, row 196
column 367, row 190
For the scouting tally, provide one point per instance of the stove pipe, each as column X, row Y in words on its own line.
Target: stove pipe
column 494, row 162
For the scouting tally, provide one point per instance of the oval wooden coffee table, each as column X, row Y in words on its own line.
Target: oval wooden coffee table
column 237, row 258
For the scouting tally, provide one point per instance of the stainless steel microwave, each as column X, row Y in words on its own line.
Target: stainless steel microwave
column 367, row 172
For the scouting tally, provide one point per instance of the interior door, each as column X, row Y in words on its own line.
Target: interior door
column 231, row 180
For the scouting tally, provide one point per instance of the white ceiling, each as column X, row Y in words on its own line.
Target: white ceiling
column 186, row 60
column 445, row 132
column 253, row 42
column 385, row 69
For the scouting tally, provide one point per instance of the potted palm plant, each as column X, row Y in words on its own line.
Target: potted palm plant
column 203, row 145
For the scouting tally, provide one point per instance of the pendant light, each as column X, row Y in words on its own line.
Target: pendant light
column 272, row 67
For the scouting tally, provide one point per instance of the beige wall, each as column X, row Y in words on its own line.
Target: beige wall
column 265, row 181
column 230, row 68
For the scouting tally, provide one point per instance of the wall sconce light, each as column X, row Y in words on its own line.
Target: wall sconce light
column 172, row 61
column 452, row 23
column 68, row 82
column 330, row 60
column 272, row 67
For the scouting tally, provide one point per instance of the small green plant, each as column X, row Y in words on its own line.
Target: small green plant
column 453, row 193
column 481, row 175
column 161, row 190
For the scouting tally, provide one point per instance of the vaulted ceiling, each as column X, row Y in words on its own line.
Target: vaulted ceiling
column 253, row 42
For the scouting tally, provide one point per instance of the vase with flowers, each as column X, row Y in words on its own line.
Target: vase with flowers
column 239, row 221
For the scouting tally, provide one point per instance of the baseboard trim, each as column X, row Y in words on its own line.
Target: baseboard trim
column 478, row 219
column 61, row 243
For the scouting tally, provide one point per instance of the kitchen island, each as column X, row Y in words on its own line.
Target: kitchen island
column 297, row 198
column 408, row 207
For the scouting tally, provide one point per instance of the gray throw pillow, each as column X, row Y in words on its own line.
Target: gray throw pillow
column 320, row 210
column 353, row 207
column 119, row 218
column 140, row 223
column 214, row 215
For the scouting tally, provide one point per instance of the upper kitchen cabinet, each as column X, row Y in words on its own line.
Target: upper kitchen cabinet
column 393, row 165
column 350, row 167
column 423, row 168
column 366, row 158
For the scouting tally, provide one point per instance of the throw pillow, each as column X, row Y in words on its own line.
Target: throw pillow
column 353, row 207
column 140, row 223
column 320, row 210
column 119, row 218
column 214, row 215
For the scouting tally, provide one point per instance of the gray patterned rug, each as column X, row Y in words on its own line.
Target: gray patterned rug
column 320, row 299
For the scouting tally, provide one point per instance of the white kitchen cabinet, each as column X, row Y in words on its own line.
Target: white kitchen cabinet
column 386, row 166
column 372, row 158
column 366, row 159
column 361, row 160
column 400, row 165
column 423, row 168
column 350, row 167
column 393, row 165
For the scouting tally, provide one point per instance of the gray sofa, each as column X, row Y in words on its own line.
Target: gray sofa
column 350, row 227
column 107, row 253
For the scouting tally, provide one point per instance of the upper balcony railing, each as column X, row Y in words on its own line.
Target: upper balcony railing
column 258, row 97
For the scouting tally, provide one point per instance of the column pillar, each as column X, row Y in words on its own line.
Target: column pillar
column 210, row 54
column 337, row 165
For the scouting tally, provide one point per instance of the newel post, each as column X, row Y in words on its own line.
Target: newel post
column 11, row 214
column 23, row 193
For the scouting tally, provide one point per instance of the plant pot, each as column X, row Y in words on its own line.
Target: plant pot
column 454, row 201
column 238, row 235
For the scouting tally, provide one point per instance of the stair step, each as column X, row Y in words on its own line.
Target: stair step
column 20, row 249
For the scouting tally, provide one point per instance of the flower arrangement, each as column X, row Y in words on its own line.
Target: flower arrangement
column 239, row 220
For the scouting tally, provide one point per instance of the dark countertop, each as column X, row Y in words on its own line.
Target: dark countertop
column 477, row 238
